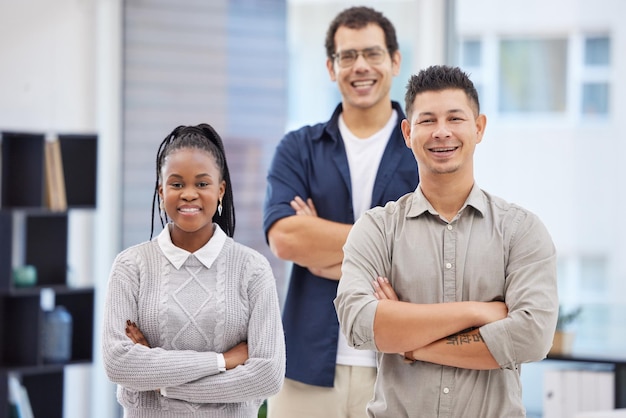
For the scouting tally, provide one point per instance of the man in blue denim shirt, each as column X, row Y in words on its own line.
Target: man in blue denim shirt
column 322, row 178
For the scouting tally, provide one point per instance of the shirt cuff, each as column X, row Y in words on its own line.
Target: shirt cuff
column 163, row 392
column 221, row 362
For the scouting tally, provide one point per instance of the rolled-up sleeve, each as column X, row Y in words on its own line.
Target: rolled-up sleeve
column 365, row 258
column 530, row 294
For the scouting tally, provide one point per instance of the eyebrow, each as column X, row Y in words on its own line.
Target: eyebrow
column 197, row 176
column 447, row 112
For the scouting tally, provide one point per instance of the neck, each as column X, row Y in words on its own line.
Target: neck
column 190, row 241
column 446, row 192
column 365, row 122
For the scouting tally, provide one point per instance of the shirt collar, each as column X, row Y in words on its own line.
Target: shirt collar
column 206, row 255
column 419, row 203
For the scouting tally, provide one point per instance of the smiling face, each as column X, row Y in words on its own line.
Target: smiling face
column 443, row 130
column 363, row 85
column 191, row 187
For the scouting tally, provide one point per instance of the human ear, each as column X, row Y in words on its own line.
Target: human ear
column 406, row 132
column 330, row 66
column 396, row 60
column 222, row 189
column 481, row 124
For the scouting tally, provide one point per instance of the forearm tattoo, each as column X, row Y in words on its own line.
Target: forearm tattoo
column 464, row 337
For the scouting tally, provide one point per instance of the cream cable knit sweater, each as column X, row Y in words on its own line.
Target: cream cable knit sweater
column 188, row 315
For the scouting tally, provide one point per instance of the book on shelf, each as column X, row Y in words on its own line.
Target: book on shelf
column 56, row 198
column 18, row 398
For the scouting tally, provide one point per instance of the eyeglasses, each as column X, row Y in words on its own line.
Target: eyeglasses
column 374, row 55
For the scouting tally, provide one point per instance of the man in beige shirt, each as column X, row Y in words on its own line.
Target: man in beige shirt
column 461, row 282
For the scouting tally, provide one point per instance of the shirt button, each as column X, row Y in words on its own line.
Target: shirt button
column 446, row 390
column 449, row 227
column 448, row 265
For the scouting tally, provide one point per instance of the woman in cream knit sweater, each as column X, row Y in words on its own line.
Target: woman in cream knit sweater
column 192, row 322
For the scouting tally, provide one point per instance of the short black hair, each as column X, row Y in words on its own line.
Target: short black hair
column 440, row 77
column 357, row 18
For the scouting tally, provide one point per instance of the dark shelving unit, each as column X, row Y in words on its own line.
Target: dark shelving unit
column 37, row 236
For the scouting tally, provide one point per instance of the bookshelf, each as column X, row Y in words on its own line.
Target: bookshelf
column 34, row 233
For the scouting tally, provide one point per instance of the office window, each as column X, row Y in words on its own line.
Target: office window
column 471, row 62
column 593, row 274
column 595, row 98
column 597, row 51
column 595, row 76
column 471, row 53
column 532, row 75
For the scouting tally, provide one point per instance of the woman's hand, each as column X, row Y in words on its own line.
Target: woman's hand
column 134, row 333
column 236, row 356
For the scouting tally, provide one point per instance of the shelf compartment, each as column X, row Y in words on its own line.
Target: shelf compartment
column 46, row 247
column 22, row 182
column 46, row 393
column 21, row 319
column 79, row 153
column 21, row 323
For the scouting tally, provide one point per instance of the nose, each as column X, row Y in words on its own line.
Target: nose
column 441, row 130
column 360, row 61
column 189, row 194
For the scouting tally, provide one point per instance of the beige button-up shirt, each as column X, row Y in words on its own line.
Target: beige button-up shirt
column 491, row 250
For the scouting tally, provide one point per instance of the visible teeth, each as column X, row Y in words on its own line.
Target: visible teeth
column 443, row 149
column 363, row 83
column 189, row 209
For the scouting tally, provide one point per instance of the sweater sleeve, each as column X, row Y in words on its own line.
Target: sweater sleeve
column 262, row 374
column 135, row 366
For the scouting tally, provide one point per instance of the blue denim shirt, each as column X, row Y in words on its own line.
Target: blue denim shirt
column 312, row 162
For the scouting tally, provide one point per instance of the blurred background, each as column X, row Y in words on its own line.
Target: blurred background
column 131, row 71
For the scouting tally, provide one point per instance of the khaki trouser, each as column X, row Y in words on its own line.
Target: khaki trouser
column 354, row 387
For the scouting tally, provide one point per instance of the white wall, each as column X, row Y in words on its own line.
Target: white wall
column 59, row 72
column 47, row 73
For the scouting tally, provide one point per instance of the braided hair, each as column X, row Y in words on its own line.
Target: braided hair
column 202, row 137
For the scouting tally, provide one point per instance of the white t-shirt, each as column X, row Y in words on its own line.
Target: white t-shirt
column 364, row 155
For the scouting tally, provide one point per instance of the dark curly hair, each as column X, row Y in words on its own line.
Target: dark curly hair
column 202, row 137
column 358, row 18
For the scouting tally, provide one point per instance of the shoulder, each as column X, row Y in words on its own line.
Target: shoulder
column 512, row 216
column 387, row 217
column 243, row 256
column 136, row 261
column 306, row 133
column 501, row 206
column 138, row 252
column 394, row 208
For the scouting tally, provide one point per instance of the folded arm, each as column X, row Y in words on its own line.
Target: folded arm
column 465, row 350
column 234, row 357
column 309, row 241
column 438, row 338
